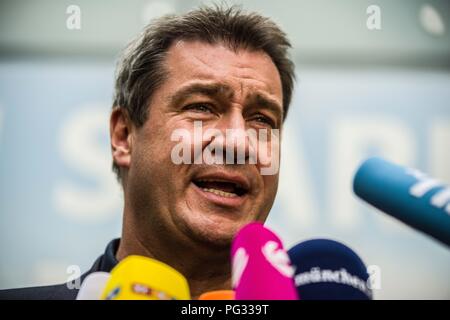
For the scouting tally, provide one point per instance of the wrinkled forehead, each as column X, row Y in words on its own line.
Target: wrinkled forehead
column 238, row 70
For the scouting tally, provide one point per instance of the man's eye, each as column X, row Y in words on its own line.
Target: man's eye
column 264, row 119
column 200, row 107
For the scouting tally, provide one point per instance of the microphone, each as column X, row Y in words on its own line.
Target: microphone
column 218, row 295
column 261, row 268
column 329, row 270
column 142, row 278
column 93, row 285
column 406, row 194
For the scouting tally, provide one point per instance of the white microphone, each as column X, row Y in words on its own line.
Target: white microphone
column 93, row 286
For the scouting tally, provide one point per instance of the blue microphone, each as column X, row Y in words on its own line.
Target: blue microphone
column 329, row 270
column 406, row 194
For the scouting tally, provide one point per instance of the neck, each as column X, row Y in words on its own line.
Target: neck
column 206, row 269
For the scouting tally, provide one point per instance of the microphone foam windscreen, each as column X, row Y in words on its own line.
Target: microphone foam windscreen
column 261, row 269
column 329, row 270
column 142, row 278
column 93, row 286
column 406, row 194
column 218, row 295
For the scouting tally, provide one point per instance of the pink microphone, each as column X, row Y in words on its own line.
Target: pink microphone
column 261, row 269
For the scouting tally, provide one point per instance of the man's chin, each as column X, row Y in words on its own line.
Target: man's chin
column 212, row 233
column 213, row 240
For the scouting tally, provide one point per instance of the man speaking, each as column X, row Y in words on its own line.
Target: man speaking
column 214, row 81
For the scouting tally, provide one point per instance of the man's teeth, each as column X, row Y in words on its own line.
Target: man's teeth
column 220, row 193
column 215, row 180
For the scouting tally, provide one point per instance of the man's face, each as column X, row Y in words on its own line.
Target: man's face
column 224, row 90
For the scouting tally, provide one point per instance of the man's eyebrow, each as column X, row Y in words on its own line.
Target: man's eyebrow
column 262, row 100
column 224, row 91
column 206, row 89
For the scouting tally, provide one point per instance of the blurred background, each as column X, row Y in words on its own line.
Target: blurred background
column 373, row 78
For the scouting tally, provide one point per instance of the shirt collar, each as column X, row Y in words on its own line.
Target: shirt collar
column 107, row 261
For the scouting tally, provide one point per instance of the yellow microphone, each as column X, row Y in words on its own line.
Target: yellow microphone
column 217, row 295
column 142, row 278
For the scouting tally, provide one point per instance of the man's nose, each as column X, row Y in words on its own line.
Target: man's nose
column 235, row 138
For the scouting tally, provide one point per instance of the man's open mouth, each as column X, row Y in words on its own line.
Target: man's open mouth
column 227, row 189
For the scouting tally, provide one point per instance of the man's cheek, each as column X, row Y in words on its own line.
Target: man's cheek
column 271, row 186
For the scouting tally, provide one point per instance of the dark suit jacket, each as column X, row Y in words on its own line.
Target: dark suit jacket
column 105, row 263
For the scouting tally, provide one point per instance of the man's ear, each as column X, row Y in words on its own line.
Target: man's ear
column 120, row 130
